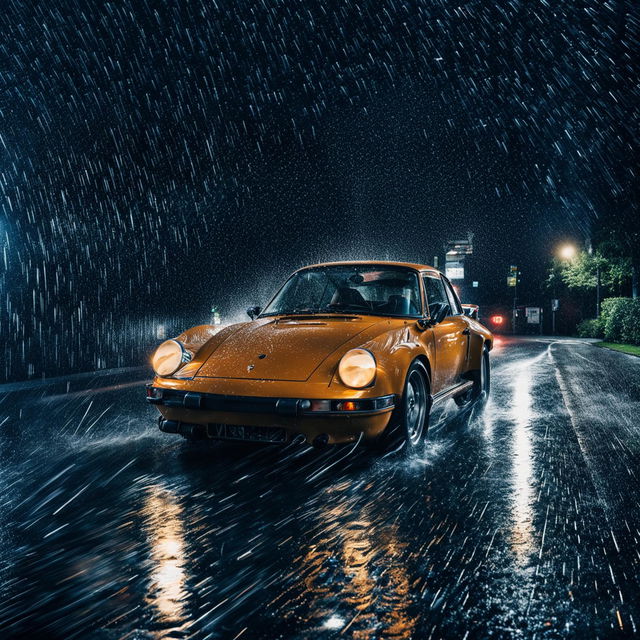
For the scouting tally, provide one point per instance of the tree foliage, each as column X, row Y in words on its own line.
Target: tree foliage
column 581, row 272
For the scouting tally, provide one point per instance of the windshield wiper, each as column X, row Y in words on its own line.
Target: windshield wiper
column 348, row 308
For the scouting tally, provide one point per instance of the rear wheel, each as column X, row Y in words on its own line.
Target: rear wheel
column 410, row 418
column 481, row 383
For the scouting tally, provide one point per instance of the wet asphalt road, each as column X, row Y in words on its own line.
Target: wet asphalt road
column 518, row 520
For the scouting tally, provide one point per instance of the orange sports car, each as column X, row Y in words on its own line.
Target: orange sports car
column 344, row 351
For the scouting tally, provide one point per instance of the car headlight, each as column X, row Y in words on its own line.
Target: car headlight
column 357, row 369
column 169, row 357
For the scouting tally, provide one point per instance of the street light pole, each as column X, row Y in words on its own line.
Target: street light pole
column 598, row 290
column 565, row 253
column 515, row 304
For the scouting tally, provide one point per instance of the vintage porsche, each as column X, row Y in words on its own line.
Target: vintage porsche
column 343, row 352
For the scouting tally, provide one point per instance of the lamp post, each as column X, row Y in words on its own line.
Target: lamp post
column 598, row 277
column 598, row 289
column 566, row 252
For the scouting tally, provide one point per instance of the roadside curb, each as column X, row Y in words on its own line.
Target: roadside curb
column 77, row 382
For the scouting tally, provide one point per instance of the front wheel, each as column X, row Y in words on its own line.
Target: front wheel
column 410, row 418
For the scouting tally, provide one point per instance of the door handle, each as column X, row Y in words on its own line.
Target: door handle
column 466, row 332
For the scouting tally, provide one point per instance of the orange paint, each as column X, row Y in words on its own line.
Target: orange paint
column 297, row 357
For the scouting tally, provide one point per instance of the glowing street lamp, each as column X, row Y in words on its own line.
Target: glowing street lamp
column 567, row 252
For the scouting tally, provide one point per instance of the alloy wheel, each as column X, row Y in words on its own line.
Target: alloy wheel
column 415, row 406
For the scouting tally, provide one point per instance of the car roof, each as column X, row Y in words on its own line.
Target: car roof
column 390, row 263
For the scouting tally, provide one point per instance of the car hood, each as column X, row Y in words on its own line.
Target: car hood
column 281, row 348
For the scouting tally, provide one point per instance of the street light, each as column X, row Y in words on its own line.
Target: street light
column 567, row 252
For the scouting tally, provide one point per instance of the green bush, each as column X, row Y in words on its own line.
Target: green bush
column 591, row 328
column 620, row 318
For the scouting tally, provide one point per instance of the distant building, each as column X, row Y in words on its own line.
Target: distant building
column 458, row 267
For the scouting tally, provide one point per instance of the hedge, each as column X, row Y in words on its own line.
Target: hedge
column 591, row 328
column 619, row 321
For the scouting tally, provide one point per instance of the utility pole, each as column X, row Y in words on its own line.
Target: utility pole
column 512, row 281
column 598, row 279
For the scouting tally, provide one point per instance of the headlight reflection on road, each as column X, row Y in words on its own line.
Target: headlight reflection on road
column 163, row 522
column 522, row 529
column 343, row 567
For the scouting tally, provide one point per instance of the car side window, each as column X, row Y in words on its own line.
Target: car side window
column 453, row 299
column 436, row 295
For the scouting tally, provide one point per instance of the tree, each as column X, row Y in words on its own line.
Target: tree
column 620, row 223
column 581, row 273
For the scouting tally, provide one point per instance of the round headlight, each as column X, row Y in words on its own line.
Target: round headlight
column 169, row 357
column 357, row 368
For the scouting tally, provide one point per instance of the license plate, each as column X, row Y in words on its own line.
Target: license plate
column 247, row 433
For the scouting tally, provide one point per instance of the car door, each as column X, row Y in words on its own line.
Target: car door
column 450, row 335
column 464, row 333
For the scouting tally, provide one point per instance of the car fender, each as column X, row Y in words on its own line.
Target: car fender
column 479, row 337
column 201, row 341
column 394, row 350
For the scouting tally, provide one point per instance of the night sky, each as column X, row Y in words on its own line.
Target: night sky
column 161, row 157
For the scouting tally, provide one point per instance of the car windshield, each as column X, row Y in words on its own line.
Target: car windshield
column 371, row 289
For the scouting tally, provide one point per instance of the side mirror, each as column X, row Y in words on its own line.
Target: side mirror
column 440, row 312
column 470, row 310
column 254, row 312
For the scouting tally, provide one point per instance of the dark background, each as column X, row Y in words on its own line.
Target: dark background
column 159, row 158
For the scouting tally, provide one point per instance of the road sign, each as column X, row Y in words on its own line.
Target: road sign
column 533, row 315
column 474, row 284
column 555, row 304
column 512, row 281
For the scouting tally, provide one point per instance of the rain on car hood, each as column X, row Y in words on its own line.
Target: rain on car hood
column 281, row 349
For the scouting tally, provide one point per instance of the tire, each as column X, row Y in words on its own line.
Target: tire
column 410, row 419
column 481, row 384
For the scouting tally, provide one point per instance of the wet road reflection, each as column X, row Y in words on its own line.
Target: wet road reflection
column 506, row 523
column 163, row 524
column 522, row 415
column 351, row 548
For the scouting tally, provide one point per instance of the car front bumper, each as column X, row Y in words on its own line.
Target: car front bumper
column 326, row 421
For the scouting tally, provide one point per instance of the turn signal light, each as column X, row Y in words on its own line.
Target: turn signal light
column 347, row 405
